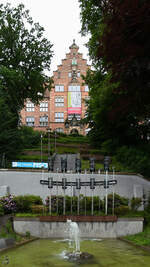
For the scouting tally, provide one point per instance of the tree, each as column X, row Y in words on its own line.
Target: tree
column 119, row 44
column 24, row 55
column 9, row 135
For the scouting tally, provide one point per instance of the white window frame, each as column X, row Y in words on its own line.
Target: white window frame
column 59, row 101
column 74, row 88
column 29, row 107
column 43, row 106
column 30, row 121
column 43, row 120
column 59, row 117
column 59, row 88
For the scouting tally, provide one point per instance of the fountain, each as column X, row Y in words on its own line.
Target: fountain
column 74, row 242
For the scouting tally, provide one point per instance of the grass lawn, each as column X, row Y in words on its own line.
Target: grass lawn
column 141, row 239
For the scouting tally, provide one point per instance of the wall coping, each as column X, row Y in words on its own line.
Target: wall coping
column 78, row 218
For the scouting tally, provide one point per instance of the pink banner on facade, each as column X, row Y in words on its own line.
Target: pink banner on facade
column 74, row 110
column 74, row 102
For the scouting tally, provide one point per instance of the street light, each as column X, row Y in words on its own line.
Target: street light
column 48, row 130
column 41, row 146
column 55, row 141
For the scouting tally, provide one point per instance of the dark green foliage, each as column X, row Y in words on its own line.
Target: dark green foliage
column 24, row 55
column 119, row 201
column 1, row 210
column 147, row 213
column 136, row 159
column 98, row 204
column 118, row 109
column 24, row 203
column 135, row 203
column 29, row 137
column 122, row 210
column 9, row 134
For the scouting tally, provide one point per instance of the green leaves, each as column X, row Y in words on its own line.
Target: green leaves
column 119, row 47
column 25, row 55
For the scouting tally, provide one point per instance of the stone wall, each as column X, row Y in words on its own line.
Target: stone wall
column 112, row 229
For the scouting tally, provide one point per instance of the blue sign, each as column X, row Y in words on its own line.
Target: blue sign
column 30, row 165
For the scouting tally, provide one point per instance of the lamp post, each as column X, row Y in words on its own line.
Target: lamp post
column 41, row 146
column 55, row 141
column 48, row 130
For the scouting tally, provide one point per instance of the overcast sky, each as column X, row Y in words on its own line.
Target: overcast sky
column 61, row 21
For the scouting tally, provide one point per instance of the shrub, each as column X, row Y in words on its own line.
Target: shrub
column 24, row 203
column 1, row 210
column 8, row 204
column 135, row 203
column 38, row 208
column 118, row 201
column 29, row 136
column 134, row 159
column 122, row 210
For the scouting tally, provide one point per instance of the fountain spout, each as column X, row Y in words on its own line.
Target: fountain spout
column 74, row 235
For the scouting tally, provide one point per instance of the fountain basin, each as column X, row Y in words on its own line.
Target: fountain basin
column 46, row 252
column 52, row 227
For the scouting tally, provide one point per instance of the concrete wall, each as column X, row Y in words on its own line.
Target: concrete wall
column 120, row 228
column 21, row 183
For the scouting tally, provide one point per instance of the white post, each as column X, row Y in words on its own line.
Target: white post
column 113, row 203
column 106, row 199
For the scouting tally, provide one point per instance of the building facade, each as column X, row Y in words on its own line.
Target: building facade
column 64, row 106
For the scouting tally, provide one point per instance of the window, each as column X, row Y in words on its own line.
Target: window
column 44, row 121
column 44, row 106
column 59, row 101
column 69, row 74
column 59, row 88
column 30, row 121
column 29, row 106
column 59, row 130
column 78, row 74
column 70, row 116
column 86, row 88
column 74, row 88
column 59, row 117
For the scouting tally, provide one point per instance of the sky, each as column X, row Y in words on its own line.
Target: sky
column 61, row 21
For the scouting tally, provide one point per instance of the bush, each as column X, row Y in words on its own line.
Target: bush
column 8, row 204
column 134, row 159
column 1, row 210
column 135, row 203
column 118, row 201
column 38, row 209
column 29, row 137
column 122, row 210
column 24, row 203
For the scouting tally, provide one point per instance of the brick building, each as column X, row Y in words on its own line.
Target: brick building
column 64, row 106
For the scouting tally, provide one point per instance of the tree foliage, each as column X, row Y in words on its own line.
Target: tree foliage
column 25, row 55
column 119, row 46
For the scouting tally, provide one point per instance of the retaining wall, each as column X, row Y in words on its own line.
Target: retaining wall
column 22, row 183
column 88, row 229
